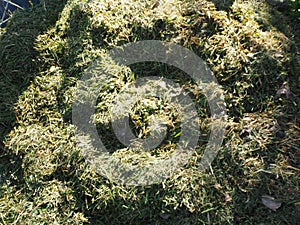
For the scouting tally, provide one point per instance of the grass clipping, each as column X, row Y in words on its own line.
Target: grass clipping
column 45, row 180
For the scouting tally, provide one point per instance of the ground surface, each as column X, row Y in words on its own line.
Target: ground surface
column 252, row 47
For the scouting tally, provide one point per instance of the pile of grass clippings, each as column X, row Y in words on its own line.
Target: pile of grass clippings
column 252, row 47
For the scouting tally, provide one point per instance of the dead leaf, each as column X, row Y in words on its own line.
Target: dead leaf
column 155, row 5
column 284, row 90
column 218, row 186
column 227, row 197
column 270, row 202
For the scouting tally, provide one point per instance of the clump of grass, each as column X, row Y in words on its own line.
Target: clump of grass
column 45, row 179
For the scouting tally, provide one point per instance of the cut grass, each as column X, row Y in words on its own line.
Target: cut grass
column 252, row 48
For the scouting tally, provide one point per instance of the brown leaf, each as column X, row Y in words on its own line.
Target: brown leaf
column 155, row 5
column 284, row 90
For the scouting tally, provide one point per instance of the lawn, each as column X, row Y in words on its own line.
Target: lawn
column 252, row 48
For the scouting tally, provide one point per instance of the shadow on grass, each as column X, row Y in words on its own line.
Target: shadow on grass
column 70, row 60
column 19, row 64
column 223, row 4
column 250, row 179
column 17, row 72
